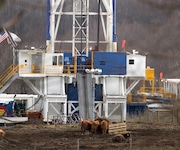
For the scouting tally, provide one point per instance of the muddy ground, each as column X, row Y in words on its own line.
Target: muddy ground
column 144, row 136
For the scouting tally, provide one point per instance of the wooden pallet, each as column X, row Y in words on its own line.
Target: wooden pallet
column 117, row 128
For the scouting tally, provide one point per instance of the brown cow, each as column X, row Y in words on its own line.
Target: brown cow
column 35, row 115
column 104, row 126
column 2, row 132
column 95, row 126
column 86, row 125
column 103, row 120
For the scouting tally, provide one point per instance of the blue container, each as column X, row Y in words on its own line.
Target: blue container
column 111, row 63
column 8, row 111
column 72, row 92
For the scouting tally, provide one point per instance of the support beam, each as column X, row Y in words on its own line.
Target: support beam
column 32, row 87
column 133, row 84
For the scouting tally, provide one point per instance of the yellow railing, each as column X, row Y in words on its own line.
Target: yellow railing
column 52, row 69
column 6, row 71
column 8, row 74
column 151, row 90
column 141, row 98
column 158, row 90
column 39, row 69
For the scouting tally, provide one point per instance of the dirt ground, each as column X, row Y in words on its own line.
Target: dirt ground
column 144, row 136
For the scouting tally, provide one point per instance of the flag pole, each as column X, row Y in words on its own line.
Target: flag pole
column 13, row 44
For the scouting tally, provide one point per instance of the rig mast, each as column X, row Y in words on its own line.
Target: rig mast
column 80, row 14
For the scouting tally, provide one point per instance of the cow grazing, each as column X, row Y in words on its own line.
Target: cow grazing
column 104, row 126
column 35, row 117
column 86, row 125
column 95, row 127
column 2, row 132
column 101, row 119
column 35, row 114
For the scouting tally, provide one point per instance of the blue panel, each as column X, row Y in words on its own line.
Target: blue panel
column 68, row 59
column 48, row 37
column 81, row 60
column 9, row 108
column 111, row 63
column 98, row 92
column 114, row 21
column 136, row 108
column 72, row 92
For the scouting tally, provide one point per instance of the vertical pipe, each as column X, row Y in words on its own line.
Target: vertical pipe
column 114, row 21
column 52, row 25
column 99, row 5
column 45, row 100
column 82, row 18
column 75, row 62
column 48, row 20
column 65, row 110
column 87, row 28
column 48, row 36
column 114, row 36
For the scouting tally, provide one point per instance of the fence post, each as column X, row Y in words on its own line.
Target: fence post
column 177, row 115
column 47, row 118
column 77, row 144
column 148, row 116
column 173, row 115
column 158, row 116
column 130, row 142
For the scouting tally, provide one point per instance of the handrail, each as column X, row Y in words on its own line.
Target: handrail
column 159, row 90
column 6, row 71
column 8, row 74
column 51, row 69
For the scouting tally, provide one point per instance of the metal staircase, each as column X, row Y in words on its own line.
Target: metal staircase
column 8, row 76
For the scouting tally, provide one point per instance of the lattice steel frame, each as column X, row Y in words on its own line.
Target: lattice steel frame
column 82, row 28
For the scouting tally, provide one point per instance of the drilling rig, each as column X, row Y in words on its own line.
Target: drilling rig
column 79, row 74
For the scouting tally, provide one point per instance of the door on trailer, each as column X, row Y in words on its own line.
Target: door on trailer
column 37, row 63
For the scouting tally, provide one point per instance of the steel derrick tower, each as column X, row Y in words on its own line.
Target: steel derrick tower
column 79, row 14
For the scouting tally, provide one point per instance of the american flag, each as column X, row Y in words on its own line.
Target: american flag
column 3, row 36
